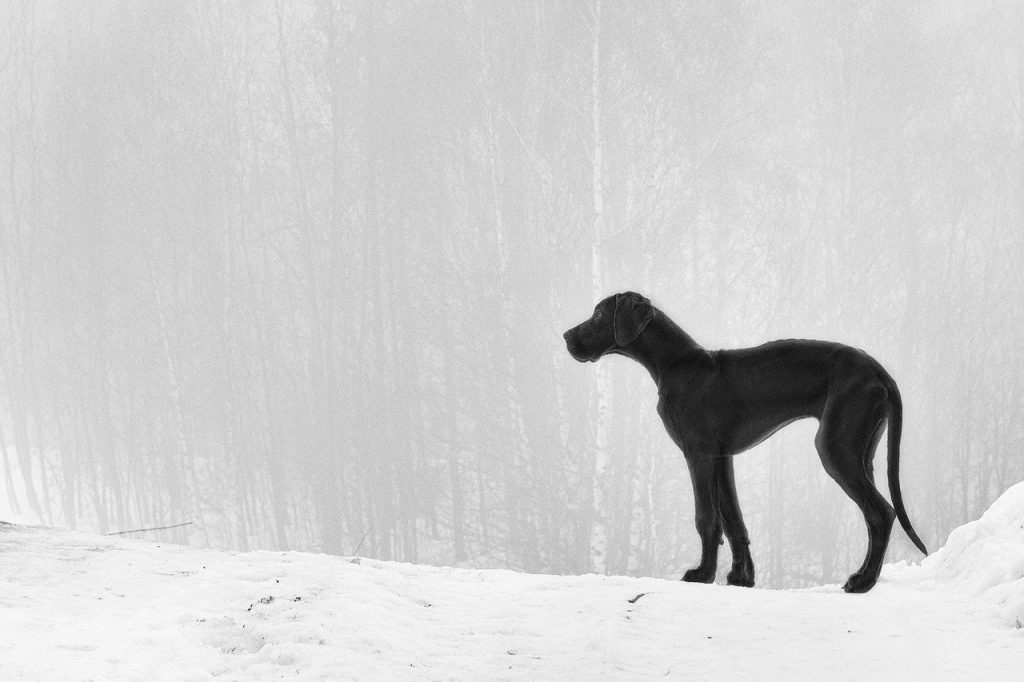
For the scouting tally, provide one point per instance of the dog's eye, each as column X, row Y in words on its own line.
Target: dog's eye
column 597, row 314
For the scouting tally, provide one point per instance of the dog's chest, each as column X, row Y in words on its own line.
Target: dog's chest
column 682, row 418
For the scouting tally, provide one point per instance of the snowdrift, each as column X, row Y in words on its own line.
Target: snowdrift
column 84, row 607
column 983, row 559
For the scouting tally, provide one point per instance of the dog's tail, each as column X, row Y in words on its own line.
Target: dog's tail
column 895, row 430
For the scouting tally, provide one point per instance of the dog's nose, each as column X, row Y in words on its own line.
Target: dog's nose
column 566, row 335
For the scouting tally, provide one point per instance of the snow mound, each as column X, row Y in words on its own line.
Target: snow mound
column 988, row 553
column 985, row 558
column 982, row 561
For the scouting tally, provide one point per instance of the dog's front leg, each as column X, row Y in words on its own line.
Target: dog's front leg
column 742, row 573
column 707, row 517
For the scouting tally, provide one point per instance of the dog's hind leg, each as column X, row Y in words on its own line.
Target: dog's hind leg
column 869, row 453
column 742, row 573
column 845, row 442
column 707, row 517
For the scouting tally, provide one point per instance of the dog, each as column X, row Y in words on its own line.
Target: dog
column 716, row 404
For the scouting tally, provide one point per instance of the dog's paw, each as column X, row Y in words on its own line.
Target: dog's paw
column 740, row 578
column 742, row 573
column 699, row 575
column 859, row 583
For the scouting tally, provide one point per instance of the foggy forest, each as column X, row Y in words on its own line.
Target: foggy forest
column 294, row 274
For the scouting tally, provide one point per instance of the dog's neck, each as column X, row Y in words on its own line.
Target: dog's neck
column 663, row 345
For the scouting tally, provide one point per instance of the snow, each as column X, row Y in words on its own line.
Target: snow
column 86, row 607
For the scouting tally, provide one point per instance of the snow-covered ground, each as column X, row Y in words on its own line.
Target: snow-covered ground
column 76, row 606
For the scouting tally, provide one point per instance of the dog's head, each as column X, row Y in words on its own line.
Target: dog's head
column 616, row 322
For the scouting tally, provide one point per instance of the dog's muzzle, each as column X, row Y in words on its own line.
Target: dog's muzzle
column 575, row 348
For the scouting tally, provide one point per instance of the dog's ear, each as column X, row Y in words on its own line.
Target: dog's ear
column 632, row 314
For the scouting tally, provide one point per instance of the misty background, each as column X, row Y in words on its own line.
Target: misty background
column 297, row 272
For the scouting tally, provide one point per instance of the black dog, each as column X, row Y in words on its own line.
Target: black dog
column 716, row 404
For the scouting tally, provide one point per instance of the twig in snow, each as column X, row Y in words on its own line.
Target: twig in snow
column 367, row 533
column 142, row 530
